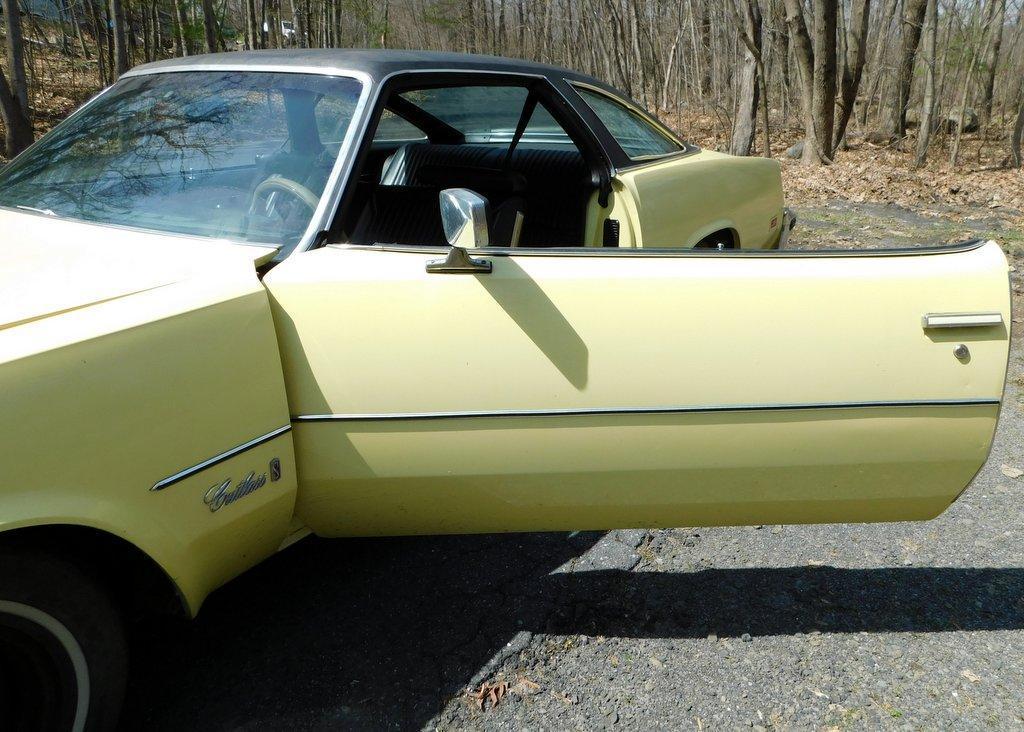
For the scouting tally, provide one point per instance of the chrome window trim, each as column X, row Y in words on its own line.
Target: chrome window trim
column 627, row 411
column 666, row 252
column 217, row 459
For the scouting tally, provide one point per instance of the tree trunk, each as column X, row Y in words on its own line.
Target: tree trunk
column 824, row 74
column 988, row 88
column 875, row 67
column 924, row 130
column 751, row 86
column 853, row 65
column 182, row 23
column 705, row 47
column 1015, row 140
column 298, row 25
column 120, row 40
column 77, row 25
column 800, row 42
column 972, row 62
column 210, row 26
column 928, row 103
column 16, row 53
column 19, row 130
column 913, row 18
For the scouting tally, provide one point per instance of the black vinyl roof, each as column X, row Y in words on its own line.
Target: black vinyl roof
column 377, row 64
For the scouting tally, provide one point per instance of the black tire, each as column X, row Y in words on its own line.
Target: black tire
column 63, row 658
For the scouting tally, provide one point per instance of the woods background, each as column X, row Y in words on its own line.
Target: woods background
column 935, row 83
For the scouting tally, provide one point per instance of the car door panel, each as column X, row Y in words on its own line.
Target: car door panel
column 587, row 392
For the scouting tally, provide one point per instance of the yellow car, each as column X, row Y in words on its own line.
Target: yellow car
column 247, row 297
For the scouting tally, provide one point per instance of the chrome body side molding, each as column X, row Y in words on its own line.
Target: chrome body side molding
column 613, row 411
column 217, row 459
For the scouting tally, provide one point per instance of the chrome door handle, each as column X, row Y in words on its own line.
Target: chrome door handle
column 961, row 320
column 458, row 261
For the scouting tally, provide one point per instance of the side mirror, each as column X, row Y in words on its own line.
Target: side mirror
column 464, row 217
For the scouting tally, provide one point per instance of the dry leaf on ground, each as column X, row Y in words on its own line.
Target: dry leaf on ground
column 490, row 692
column 1011, row 472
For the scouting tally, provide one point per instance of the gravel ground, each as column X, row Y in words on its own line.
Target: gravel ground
column 837, row 626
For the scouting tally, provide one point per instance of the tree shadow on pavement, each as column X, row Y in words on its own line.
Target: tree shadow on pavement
column 381, row 633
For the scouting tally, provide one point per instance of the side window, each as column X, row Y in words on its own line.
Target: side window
column 636, row 136
column 392, row 128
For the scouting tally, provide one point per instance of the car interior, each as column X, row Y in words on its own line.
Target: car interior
column 499, row 141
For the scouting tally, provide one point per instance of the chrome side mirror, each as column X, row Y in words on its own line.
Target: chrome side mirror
column 464, row 217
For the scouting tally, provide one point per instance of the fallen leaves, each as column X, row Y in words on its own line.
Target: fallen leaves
column 970, row 676
column 1011, row 472
column 490, row 692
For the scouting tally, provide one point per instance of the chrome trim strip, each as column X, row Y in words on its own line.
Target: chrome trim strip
column 965, row 246
column 217, row 459
column 961, row 320
column 611, row 411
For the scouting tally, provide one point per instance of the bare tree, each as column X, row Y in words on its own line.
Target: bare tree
column 996, row 21
column 924, row 131
column 210, row 26
column 825, row 12
column 752, row 87
column 913, row 19
column 853, row 64
column 817, row 66
column 1015, row 139
column 800, row 42
column 16, row 53
column 19, row 130
column 121, row 64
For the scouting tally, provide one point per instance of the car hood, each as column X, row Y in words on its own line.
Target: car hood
column 51, row 266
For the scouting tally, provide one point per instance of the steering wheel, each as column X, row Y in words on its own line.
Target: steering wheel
column 286, row 185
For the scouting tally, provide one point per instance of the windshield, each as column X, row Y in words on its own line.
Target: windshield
column 236, row 155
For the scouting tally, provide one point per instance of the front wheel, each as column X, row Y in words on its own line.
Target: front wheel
column 63, row 658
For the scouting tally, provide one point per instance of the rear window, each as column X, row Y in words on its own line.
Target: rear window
column 637, row 137
column 487, row 113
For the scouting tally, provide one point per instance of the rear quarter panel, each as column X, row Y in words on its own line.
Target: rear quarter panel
column 678, row 202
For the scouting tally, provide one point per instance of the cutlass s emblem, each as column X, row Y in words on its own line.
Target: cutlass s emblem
column 222, row 494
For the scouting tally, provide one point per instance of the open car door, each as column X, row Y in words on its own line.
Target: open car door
column 590, row 389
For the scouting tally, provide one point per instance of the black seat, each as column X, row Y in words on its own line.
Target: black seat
column 554, row 184
column 411, row 215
